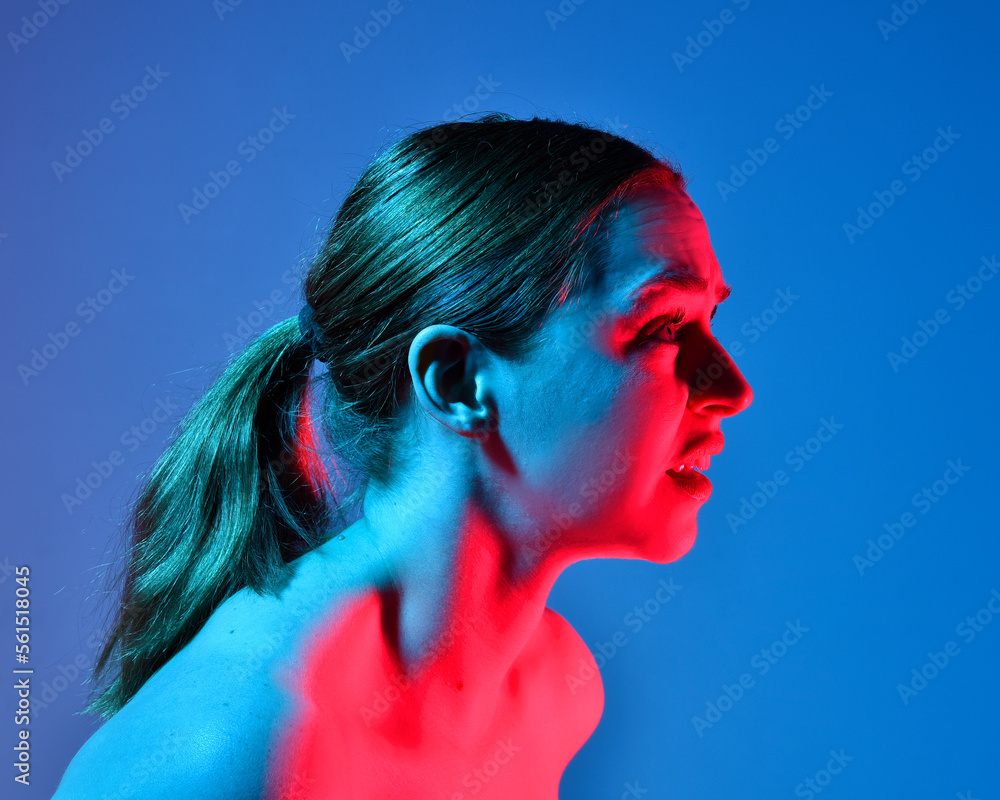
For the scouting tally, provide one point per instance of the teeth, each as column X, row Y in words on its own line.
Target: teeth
column 699, row 464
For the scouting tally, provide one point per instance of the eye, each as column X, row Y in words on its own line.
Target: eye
column 663, row 329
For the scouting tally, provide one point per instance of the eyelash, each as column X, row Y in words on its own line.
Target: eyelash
column 668, row 320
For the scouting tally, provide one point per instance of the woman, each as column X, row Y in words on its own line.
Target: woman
column 510, row 329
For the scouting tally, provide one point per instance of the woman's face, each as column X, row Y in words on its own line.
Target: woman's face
column 630, row 381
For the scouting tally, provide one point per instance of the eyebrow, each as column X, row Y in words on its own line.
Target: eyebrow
column 677, row 279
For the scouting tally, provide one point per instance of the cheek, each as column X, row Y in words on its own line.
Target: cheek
column 573, row 425
column 617, row 448
column 593, row 428
column 653, row 407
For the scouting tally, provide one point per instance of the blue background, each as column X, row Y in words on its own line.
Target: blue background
column 201, row 286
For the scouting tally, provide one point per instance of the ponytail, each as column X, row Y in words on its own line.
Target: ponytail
column 237, row 495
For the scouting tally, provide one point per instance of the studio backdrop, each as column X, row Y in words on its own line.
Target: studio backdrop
column 168, row 173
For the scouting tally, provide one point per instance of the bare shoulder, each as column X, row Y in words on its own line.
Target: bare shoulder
column 207, row 723
column 153, row 763
column 203, row 725
column 563, row 637
column 555, row 681
column 577, row 679
column 185, row 733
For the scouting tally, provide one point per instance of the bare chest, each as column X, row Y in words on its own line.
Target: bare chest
column 358, row 727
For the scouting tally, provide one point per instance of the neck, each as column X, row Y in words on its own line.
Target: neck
column 457, row 611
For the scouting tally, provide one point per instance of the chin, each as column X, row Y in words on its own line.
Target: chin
column 659, row 536
column 664, row 544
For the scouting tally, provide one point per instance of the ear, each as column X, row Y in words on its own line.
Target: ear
column 451, row 380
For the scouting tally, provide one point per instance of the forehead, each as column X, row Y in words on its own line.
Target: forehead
column 654, row 232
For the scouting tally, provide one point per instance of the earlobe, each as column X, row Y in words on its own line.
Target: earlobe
column 448, row 370
column 482, row 423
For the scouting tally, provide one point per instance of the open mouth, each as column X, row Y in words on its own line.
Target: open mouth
column 693, row 465
column 684, row 471
column 687, row 472
column 689, row 477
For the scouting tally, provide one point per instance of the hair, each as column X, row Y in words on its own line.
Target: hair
column 488, row 225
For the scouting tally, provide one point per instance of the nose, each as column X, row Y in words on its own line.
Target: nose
column 717, row 386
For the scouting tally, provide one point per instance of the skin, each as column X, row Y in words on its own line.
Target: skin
column 434, row 601
column 499, row 452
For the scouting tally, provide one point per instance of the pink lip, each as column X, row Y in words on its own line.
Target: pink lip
column 709, row 445
column 698, row 486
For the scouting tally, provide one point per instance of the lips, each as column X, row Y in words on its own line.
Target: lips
column 685, row 471
column 698, row 456
column 692, row 482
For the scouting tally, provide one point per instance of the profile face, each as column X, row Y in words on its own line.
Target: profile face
column 629, row 381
